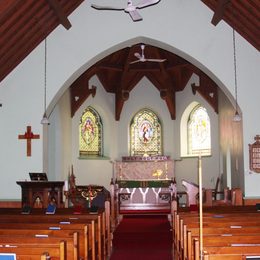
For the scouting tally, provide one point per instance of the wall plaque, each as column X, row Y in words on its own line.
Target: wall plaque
column 254, row 155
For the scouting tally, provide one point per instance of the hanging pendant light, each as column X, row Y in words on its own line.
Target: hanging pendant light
column 45, row 120
column 237, row 117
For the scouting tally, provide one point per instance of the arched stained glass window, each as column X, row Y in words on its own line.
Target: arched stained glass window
column 145, row 134
column 199, row 134
column 90, row 133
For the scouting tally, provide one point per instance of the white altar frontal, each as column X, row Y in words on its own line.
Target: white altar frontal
column 143, row 183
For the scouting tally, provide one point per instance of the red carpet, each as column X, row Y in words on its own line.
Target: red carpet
column 141, row 237
column 144, row 212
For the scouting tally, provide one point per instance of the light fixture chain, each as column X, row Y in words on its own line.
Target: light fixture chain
column 235, row 65
column 237, row 117
column 45, row 72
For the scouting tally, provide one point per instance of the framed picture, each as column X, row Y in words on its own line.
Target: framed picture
column 254, row 155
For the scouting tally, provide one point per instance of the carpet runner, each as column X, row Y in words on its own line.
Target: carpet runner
column 141, row 237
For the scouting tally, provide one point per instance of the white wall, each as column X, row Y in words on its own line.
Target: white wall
column 116, row 135
column 187, row 167
column 180, row 26
column 91, row 171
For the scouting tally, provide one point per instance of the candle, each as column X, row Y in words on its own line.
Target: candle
column 113, row 170
column 66, row 185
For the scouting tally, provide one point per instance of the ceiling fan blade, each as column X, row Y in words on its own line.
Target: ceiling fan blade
column 156, row 60
column 145, row 3
column 135, row 61
column 99, row 7
column 135, row 16
column 137, row 55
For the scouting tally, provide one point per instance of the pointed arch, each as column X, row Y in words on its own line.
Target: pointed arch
column 195, row 131
column 90, row 133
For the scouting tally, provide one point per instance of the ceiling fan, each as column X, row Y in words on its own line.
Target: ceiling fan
column 130, row 8
column 141, row 57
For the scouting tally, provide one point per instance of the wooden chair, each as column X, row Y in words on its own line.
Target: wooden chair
column 216, row 191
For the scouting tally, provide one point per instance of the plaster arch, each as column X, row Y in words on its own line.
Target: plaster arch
column 117, row 47
column 129, row 42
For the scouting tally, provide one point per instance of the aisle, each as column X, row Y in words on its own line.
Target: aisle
column 141, row 237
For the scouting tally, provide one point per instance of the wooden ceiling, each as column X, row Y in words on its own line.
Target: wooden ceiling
column 25, row 24
column 242, row 15
column 119, row 76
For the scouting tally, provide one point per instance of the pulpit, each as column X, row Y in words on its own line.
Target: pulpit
column 38, row 194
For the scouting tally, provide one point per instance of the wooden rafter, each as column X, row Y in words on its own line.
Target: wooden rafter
column 119, row 76
column 21, row 27
column 59, row 13
column 243, row 16
column 220, row 10
column 25, row 24
column 208, row 90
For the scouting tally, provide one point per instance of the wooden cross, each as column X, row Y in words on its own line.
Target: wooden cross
column 29, row 136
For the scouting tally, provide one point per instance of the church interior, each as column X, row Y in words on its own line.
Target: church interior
column 136, row 123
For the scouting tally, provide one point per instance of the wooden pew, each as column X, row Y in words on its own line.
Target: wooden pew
column 231, row 253
column 225, row 237
column 64, row 223
column 238, row 245
column 219, row 240
column 86, row 239
column 56, row 247
column 45, row 233
column 36, row 252
column 226, row 230
column 180, row 233
column 65, row 219
column 104, row 222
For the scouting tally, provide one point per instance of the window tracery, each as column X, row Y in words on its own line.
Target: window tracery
column 145, row 134
column 90, row 133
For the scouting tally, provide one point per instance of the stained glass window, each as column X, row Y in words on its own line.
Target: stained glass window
column 145, row 134
column 90, row 133
column 199, row 134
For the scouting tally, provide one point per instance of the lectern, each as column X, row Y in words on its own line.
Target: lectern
column 40, row 193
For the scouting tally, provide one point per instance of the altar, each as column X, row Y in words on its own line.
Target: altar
column 144, row 168
column 143, row 183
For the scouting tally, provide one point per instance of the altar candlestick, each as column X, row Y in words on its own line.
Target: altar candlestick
column 166, row 166
column 200, row 209
column 113, row 170
column 66, row 185
column 113, row 173
column 120, row 171
column 166, row 170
